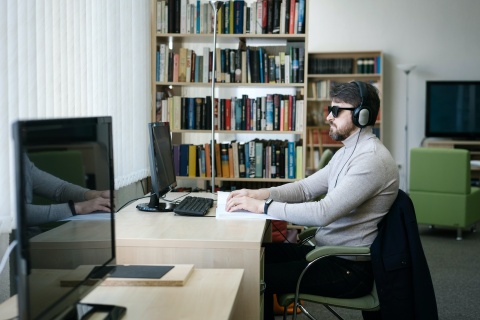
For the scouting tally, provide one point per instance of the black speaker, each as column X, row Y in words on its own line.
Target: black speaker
column 362, row 115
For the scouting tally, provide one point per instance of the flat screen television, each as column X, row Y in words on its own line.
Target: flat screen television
column 453, row 109
column 161, row 167
column 61, row 256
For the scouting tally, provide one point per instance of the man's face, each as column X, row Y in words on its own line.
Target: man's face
column 341, row 127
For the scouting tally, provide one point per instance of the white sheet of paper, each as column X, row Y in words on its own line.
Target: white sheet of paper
column 242, row 214
column 91, row 216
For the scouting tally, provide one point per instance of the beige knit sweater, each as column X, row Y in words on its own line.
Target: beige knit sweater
column 360, row 182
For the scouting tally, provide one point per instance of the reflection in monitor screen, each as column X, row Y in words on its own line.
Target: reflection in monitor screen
column 161, row 167
column 64, row 166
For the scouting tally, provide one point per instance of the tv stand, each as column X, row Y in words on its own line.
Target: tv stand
column 471, row 145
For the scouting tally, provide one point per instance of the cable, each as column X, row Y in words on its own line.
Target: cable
column 355, row 147
column 7, row 254
column 175, row 200
column 130, row 201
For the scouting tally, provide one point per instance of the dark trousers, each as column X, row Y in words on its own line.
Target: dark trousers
column 332, row 276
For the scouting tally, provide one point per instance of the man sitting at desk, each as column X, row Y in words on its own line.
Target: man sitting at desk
column 71, row 199
column 360, row 182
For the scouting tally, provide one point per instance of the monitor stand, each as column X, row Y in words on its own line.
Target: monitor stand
column 85, row 310
column 155, row 205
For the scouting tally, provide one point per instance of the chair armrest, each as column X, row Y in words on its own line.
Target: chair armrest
column 307, row 234
column 326, row 251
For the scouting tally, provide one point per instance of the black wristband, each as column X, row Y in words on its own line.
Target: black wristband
column 71, row 205
column 267, row 203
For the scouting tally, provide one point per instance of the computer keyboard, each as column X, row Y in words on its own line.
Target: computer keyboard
column 193, row 206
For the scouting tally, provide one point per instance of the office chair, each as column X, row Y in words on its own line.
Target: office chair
column 368, row 302
column 64, row 164
column 327, row 154
column 399, row 267
column 441, row 190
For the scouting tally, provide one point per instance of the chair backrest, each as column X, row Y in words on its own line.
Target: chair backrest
column 440, row 170
column 65, row 164
column 327, row 154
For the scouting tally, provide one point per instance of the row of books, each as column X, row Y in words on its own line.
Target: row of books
column 321, row 89
column 365, row 65
column 254, row 159
column 234, row 17
column 369, row 65
column 273, row 112
column 320, row 136
column 252, row 65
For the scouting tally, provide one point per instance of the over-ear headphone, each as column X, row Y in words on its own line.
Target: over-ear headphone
column 362, row 115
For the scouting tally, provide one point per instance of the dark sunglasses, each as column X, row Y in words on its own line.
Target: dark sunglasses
column 335, row 110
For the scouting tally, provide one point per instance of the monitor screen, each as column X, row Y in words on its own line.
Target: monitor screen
column 453, row 109
column 161, row 167
column 65, row 245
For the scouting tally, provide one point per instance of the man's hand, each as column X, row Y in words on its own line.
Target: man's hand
column 96, row 201
column 245, row 203
column 259, row 194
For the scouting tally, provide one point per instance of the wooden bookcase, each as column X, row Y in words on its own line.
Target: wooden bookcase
column 323, row 69
column 272, row 44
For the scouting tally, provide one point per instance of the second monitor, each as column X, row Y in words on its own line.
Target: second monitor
column 161, row 167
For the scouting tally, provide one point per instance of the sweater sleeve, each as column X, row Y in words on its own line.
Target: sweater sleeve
column 361, row 180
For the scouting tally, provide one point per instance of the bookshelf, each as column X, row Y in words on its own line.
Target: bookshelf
column 245, row 90
column 323, row 69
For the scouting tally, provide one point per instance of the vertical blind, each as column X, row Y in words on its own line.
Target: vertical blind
column 73, row 59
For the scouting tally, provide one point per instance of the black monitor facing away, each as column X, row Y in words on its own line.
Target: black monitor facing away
column 61, row 257
column 161, row 167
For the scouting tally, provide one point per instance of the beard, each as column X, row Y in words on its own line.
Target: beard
column 343, row 133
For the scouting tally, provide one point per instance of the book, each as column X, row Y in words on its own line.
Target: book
column 206, row 55
column 230, row 161
column 291, row 160
column 269, row 113
column 208, row 162
column 238, row 12
column 218, row 161
column 301, row 16
column 202, row 162
column 191, row 114
column 251, row 159
column 258, row 159
column 241, row 160
column 192, row 160
column 236, row 172
column 224, row 160
column 183, row 168
column 228, row 114
column 161, row 76
column 182, row 65
column 175, row 66
column 176, row 159
column 299, row 172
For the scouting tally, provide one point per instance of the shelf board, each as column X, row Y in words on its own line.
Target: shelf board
column 237, row 131
column 345, row 75
column 204, row 36
column 231, row 85
column 236, row 179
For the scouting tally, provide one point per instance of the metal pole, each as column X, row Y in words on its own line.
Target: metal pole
column 216, row 5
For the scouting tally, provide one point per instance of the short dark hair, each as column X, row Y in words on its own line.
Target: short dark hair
column 350, row 93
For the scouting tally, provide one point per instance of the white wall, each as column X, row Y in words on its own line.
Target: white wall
column 439, row 36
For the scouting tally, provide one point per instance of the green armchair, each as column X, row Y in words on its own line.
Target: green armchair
column 440, row 188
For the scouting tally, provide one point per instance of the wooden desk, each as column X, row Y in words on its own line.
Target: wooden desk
column 163, row 238
column 208, row 294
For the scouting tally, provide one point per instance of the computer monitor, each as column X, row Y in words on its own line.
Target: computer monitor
column 161, row 167
column 60, row 260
